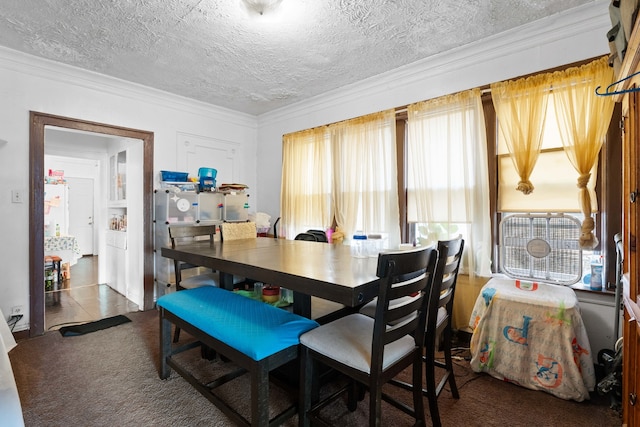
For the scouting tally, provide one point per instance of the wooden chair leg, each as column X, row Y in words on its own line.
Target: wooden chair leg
column 352, row 396
column 418, row 402
column 431, row 390
column 375, row 406
column 449, row 365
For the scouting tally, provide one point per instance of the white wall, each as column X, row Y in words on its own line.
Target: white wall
column 548, row 43
column 31, row 84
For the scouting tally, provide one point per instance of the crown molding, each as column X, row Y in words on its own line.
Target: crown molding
column 23, row 63
column 587, row 19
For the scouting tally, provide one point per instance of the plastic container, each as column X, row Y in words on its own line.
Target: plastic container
column 377, row 242
column 257, row 289
column 359, row 245
column 207, row 178
column 174, row 176
column 271, row 294
column 597, row 267
column 286, row 295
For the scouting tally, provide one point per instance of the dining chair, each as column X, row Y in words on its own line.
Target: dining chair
column 188, row 234
column 191, row 233
column 306, row 236
column 372, row 351
column 438, row 331
column 238, row 230
column 230, row 231
column 439, row 324
column 321, row 236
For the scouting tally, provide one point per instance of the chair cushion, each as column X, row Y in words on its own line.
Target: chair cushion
column 348, row 340
column 252, row 327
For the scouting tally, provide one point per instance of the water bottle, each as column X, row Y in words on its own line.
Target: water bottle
column 375, row 245
column 359, row 245
column 597, row 267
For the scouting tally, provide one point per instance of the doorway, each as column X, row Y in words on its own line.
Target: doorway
column 77, row 163
column 38, row 122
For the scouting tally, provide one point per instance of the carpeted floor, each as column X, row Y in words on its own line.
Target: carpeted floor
column 109, row 377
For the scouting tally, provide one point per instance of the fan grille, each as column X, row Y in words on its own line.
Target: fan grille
column 541, row 247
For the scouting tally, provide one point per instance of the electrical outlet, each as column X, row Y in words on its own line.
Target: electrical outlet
column 17, row 310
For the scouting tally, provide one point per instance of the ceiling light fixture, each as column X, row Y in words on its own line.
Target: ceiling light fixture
column 261, row 6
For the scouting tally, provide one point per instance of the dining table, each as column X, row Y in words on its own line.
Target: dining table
column 321, row 270
column 66, row 247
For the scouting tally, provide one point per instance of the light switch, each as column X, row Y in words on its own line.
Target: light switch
column 16, row 196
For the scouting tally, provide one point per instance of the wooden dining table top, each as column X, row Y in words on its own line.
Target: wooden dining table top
column 323, row 270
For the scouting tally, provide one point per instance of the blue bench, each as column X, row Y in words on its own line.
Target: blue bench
column 255, row 336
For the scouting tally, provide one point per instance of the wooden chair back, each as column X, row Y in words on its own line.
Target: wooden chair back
column 306, row 236
column 188, row 234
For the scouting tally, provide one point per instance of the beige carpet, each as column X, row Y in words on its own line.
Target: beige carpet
column 109, row 378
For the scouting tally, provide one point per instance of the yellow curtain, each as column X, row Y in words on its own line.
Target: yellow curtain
column 305, row 200
column 583, row 119
column 521, row 109
column 365, row 175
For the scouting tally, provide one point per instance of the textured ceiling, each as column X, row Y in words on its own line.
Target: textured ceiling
column 220, row 52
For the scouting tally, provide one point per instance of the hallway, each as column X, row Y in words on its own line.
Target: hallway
column 82, row 299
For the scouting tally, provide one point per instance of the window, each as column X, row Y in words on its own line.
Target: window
column 344, row 172
column 553, row 177
column 574, row 126
column 439, row 188
column 447, row 175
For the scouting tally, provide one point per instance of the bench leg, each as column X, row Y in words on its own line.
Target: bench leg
column 305, row 390
column 260, row 397
column 165, row 345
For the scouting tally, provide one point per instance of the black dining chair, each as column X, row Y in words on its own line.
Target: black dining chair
column 372, row 351
column 188, row 234
column 438, row 325
column 321, row 236
column 306, row 236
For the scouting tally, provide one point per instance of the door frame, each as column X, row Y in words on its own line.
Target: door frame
column 37, row 123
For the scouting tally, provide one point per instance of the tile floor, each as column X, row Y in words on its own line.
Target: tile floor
column 82, row 299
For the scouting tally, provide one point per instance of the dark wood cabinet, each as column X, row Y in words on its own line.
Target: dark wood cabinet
column 630, row 100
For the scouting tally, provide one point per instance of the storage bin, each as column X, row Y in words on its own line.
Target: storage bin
column 207, row 178
column 174, row 176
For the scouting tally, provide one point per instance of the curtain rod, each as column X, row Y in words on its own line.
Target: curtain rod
column 403, row 109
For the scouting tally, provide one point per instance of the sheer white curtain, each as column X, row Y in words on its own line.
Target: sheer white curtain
column 447, row 172
column 306, row 200
column 365, row 175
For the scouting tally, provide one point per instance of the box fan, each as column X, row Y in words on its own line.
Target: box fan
column 542, row 248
